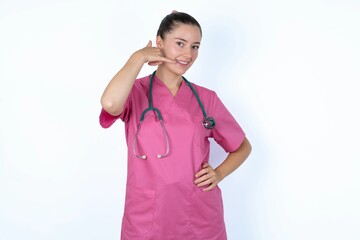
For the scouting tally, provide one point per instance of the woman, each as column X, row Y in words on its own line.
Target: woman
column 172, row 191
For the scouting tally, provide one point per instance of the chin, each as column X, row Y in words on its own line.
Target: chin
column 177, row 69
column 181, row 69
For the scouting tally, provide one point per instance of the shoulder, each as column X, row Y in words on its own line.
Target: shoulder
column 142, row 81
column 141, row 85
column 203, row 91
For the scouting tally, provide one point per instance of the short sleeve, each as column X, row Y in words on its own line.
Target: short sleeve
column 106, row 119
column 227, row 132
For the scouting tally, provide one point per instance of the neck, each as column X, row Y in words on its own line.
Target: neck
column 171, row 80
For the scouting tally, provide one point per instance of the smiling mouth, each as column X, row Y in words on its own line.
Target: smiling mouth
column 183, row 62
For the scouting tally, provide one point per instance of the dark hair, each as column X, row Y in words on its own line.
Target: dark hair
column 174, row 18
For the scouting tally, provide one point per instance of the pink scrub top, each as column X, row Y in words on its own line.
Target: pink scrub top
column 162, row 202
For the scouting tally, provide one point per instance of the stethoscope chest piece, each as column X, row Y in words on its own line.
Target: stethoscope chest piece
column 209, row 123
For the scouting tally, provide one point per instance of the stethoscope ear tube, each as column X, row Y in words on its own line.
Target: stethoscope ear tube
column 166, row 136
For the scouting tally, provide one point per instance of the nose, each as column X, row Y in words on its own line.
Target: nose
column 188, row 52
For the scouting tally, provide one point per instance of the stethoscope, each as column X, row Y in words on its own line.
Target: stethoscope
column 208, row 122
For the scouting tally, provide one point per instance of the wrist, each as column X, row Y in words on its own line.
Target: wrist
column 137, row 58
column 220, row 175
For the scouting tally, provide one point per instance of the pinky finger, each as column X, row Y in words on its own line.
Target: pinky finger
column 154, row 63
column 210, row 187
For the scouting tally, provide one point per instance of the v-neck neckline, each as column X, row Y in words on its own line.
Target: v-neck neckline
column 162, row 84
column 167, row 100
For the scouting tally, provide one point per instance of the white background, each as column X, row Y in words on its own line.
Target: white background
column 287, row 70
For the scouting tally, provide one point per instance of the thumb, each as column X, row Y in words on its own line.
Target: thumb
column 149, row 44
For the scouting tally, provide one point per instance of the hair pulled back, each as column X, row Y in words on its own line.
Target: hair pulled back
column 171, row 20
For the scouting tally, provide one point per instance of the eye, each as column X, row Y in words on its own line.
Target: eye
column 196, row 47
column 180, row 44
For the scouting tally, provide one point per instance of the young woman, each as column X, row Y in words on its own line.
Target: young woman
column 172, row 191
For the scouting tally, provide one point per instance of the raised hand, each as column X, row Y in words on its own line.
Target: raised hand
column 153, row 55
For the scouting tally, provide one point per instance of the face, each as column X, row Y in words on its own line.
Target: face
column 181, row 45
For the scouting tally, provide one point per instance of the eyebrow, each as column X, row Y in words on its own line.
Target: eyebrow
column 186, row 40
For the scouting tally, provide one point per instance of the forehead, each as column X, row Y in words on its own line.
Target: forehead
column 188, row 32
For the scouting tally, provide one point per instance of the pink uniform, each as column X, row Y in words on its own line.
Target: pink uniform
column 162, row 202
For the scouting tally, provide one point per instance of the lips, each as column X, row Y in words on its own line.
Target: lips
column 183, row 62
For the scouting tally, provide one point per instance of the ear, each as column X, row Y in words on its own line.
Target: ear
column 159, row 42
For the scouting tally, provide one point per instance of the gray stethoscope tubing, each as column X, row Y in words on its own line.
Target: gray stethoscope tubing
column 208, row 123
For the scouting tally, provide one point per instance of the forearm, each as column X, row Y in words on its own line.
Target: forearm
column 118, row 89
column 234, row 160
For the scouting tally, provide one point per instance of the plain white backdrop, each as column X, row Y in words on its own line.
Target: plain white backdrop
column 287, row 70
